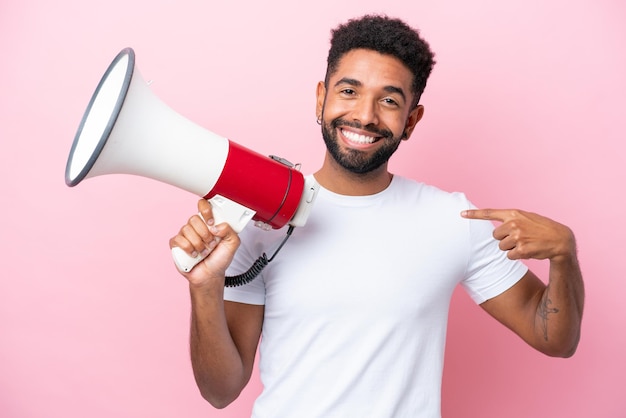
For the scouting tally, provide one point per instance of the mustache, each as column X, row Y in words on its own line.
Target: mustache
column 385, row 133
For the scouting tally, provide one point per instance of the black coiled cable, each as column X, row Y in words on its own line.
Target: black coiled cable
column 256, row 268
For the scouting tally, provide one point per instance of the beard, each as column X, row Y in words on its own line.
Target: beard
column 356, row 161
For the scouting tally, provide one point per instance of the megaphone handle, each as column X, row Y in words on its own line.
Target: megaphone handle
column 224, row 210
column 184, row 262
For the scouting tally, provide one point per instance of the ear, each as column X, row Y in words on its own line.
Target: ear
column 414, row 116
column 321, row 96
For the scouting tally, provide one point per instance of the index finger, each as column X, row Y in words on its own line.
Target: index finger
column 487, row 214
column 205, row 210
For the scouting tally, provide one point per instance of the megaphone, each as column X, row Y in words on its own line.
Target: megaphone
column 126, row 129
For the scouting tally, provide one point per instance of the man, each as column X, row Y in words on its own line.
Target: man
column 353, row 311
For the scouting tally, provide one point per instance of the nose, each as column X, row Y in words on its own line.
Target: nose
column 365, row 111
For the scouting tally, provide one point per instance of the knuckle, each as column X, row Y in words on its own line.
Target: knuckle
column 523, row 251
column 186, row 230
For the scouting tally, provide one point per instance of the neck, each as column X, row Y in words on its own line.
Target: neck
column 338, row 180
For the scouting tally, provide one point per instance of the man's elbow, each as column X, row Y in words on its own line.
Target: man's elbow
column 219, row 400
column 220, row 393
column 567, row 352
column 564, row 349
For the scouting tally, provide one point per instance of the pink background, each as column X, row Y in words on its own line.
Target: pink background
column 525, row 109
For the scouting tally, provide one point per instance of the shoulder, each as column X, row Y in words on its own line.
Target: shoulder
column 424, row 193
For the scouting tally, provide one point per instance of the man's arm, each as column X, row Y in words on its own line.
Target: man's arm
column 548, row 317
column 223, row 341
column 223, row 335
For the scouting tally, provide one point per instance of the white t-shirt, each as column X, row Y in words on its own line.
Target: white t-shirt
column 356, row 302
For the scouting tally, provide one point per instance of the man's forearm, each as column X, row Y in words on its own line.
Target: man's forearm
column 217, row 364
column 560, row 308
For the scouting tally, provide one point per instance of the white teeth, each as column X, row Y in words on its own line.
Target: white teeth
column 360, row 139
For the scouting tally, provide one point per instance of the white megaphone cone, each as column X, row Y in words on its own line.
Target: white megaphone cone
column 126, row 129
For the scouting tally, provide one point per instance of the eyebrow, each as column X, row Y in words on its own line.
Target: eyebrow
column 357, row 83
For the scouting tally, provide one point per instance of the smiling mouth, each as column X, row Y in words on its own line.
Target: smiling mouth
column 358, row 138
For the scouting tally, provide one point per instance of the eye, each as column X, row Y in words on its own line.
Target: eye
column 348, row 92
column 391, row 102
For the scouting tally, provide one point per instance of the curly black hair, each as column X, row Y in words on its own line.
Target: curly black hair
column 390, row 36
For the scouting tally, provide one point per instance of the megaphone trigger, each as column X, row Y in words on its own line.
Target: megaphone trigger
column 231, row 212
column 224, row 210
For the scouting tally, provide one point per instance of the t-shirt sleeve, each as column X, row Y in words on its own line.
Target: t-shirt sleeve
column 489, row 271
column 254, row 292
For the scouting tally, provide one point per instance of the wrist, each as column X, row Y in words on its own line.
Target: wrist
column 567, row 251
column 211, row 287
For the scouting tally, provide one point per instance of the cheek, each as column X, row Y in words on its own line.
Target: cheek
column 335, row 108
column 397, row 125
